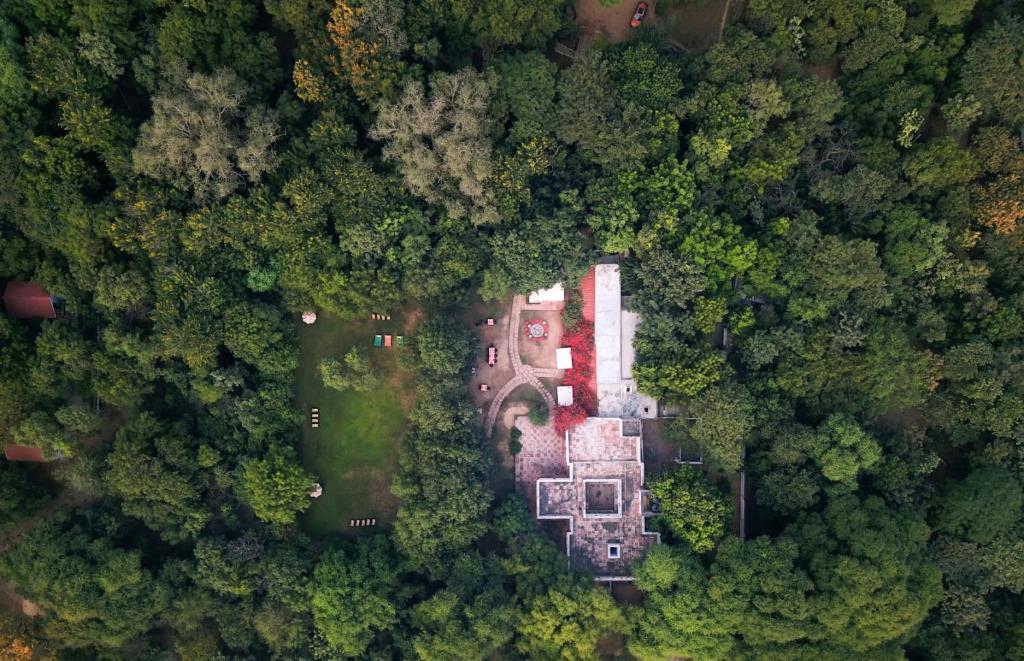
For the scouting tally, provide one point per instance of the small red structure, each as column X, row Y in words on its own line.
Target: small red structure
column 387, row 341
column 28, row 300
column 15, row 452
column 484, row 387
column 536, row 330
column 490, row 321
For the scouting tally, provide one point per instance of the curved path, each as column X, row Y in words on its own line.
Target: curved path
column 524, row 374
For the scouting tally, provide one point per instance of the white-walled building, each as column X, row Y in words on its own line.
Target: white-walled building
column 614, row 330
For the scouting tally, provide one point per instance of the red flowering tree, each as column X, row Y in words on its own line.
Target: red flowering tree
column 567, row 417
column 580, row 339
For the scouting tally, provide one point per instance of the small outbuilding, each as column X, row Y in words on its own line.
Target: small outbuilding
column 15, row 452
column 28, row 300
column 553, row 294
column 565, row 395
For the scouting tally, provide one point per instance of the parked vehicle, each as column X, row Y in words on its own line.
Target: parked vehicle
column 638, row 15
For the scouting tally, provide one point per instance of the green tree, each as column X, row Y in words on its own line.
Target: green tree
column 568, row 621
column 21, row 494
column 874, row 583
column 678, row 619
column 40, row 430
column 65, row 351
column 824, row 272
column 95, row 592
column 354, row 595
column 981, row 506
column 79, row 419
column 952, row 12
column 991, row 73
column 762, row 595
column 678, row 280
column 356, row 373
column 524, row 87
column 544, row 250
column 152, row 468
column 725, row 423
column 843, row 450
column 275, row 486
column 443, row 346
column 469, row 618
column 690, row 509
column 938, row 165
column 718, row 246
column 444, row 499
column 605, row 130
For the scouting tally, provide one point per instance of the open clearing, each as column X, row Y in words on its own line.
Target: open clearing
column 693, row 26
column 354, row 453
column 611, row 23
column 697, row 25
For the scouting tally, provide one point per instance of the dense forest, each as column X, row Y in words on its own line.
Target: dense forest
column 836, row 182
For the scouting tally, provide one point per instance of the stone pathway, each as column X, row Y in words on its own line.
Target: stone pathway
column 524, row 374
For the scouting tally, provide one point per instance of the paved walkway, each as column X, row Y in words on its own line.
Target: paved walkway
column 524, row 374
column 542, row 455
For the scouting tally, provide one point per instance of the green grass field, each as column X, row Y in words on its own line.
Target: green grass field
column 354, row 453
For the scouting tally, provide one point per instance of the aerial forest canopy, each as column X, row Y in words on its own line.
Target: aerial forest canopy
column 837, row 183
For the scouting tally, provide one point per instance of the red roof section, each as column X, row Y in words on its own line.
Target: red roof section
column 15, row 452
column 588, row 290
column 28, row 300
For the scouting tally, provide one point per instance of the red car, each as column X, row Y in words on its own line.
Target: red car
column 638, row 15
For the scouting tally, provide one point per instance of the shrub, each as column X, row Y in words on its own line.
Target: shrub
column 580, row 339
column 572, row 311
column 567, row 417
column 539, row 415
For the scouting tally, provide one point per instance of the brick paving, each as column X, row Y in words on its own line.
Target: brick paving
column 543, row 455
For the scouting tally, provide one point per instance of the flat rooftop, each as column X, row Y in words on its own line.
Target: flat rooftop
column 614, row 331
column 602, row 499
column 608, row 323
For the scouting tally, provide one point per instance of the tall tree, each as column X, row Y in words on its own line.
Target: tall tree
column 205, row 137
column 441, row 141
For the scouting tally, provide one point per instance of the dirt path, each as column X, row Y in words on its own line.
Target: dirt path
column 13, row 602
column 725, row 17
column 512, row 412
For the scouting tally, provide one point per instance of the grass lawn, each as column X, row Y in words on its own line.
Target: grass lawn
column 354, row 453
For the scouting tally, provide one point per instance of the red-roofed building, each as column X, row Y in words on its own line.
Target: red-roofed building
column 28, row 300
column 15, row 452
